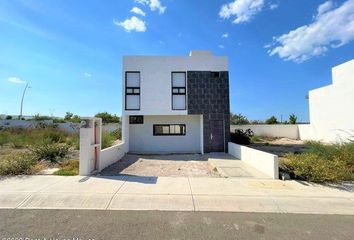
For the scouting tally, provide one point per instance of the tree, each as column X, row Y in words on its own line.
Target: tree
column 108, row 118
column 8, row 117
column 238, row 119
column 70, row 117
column 292, row 119
column 271, row 120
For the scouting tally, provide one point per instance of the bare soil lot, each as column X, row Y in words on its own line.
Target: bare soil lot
column 174, row 165
column 279, row 146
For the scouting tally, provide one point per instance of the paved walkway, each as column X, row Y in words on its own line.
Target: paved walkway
column 175, row 194
column 183, row 165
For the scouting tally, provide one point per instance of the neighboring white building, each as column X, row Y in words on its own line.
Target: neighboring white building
column 331, row 108
column 175, row 104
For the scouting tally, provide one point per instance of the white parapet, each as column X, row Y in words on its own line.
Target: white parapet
column 264, row 162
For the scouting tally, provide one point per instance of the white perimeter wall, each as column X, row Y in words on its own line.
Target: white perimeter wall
column 331, row 107
column 141, row 137
column 264, row 162
column 276, row 130
column 155, row 79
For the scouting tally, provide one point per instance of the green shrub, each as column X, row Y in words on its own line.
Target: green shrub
column 68, row 168
column 20, row 137
column 108, row 118
column 322, row 163
column 107, row 139
column 17, row 163
column 292, row 119
column 50, row 151
column 238, row 119
column 271, row 120
column 117, row 133
column 242, row 136
column 73, row 140
column 255, row 139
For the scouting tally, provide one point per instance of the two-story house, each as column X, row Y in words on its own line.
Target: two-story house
column 176, row 104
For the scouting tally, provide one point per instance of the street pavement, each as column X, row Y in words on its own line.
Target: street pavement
column 106, row 224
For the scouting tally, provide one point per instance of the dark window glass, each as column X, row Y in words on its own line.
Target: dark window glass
column 178, row 91
column 132, row 91
column 136, row 119
column 215, row 74
column 169, row 129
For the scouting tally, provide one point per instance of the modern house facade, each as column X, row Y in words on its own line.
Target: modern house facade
column 176, row 104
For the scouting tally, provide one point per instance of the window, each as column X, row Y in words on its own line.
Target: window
column 169, row 129
column 178, row 91
column 132, row 91
column 215, row 74
column 136, row 119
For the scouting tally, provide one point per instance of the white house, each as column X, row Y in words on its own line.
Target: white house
column 176, row 104
column 331, row 108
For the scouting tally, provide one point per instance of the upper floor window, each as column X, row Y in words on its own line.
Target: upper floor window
column 178, row 91
column 132, row 90
column 134, row 119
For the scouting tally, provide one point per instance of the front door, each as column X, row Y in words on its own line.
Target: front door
column 216, row 136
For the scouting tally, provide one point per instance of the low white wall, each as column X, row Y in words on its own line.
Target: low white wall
column 111, row 155
column 271, row 130
column 264, row 162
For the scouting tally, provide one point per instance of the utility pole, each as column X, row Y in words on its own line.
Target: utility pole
column 23, row 96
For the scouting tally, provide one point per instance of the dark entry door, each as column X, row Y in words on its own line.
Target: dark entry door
column 216, row 136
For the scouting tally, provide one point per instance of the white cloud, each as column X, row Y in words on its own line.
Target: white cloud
column 142, row 1
column 324, row 7
column 221, row 46
column 156, row 5
column 225, row 35
column 331, row 28
column 88, row 75
column 242, row 10
column 132, row 24
column 273, row 6
column 15, row 80
column 153, row 4
column 138, row 11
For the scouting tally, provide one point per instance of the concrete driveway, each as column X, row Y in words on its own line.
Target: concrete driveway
column 172, row 193
column 182, row 165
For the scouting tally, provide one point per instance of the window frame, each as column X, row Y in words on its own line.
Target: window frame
column 169, row 125
column 178, row 91
column 133, row 91
column 136, row 122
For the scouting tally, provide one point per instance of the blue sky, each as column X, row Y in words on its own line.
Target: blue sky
column 71, row 52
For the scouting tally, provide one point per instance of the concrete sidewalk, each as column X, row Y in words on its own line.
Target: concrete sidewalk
column 174, row 194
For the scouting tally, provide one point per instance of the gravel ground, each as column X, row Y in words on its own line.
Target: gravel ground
column 172, row 165
column 280, row 146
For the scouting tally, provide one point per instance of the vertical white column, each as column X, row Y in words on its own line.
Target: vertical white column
column 90, row 145
column 125, row 132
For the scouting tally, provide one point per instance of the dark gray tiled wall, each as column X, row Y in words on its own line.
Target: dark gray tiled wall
column 209, row 96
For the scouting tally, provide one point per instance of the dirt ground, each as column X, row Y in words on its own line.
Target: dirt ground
column 279, row 146
column 191, row 165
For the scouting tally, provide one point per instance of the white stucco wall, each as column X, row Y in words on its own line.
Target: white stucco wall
column 155, row 79
column 262, row 161
column 331, row 107
column 111, row 155
column 271, row 130
column 141, row 137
